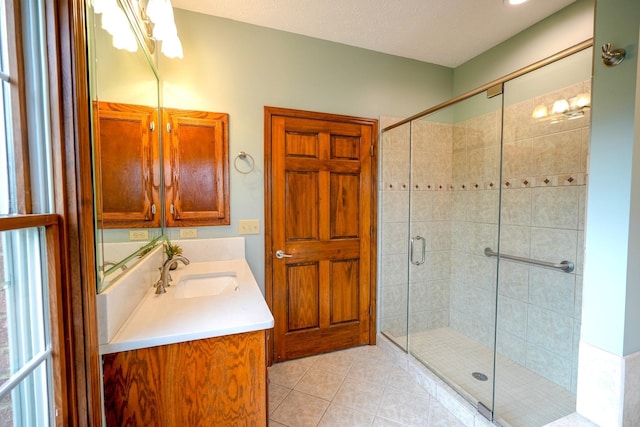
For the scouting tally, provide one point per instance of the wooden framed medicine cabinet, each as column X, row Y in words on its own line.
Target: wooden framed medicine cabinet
column 196, row 167
column 195, row 162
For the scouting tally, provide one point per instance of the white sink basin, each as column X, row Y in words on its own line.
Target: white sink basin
column 206, row 299
column 206, row 284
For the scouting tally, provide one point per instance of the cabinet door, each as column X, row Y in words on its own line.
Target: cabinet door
column 126, row 162
column 218, row 382
column 196, row 167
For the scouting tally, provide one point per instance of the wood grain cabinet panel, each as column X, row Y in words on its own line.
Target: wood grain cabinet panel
column 196, row 168
column 211, row 382
column 127, row 166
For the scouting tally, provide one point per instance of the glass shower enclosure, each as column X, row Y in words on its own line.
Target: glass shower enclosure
column 482, row 229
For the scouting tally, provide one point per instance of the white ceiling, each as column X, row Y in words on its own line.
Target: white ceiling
column 444, row 32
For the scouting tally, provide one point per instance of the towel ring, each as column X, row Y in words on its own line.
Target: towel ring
column 242, row 156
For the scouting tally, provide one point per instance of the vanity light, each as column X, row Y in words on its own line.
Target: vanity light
column 583, row 100
column 560, row 106
column 156, row 22
column 563, row 109
column 160, row 13
column 540, row 111
column 114, row 21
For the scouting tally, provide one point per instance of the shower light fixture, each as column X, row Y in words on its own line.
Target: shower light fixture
column 563, row 109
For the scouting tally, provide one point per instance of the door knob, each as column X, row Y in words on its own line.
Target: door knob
column 280, row 254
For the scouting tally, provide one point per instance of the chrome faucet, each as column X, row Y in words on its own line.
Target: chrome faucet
column 165, row 277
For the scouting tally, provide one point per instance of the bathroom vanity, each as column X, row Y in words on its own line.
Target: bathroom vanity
column 217, row 381
column 195, row 355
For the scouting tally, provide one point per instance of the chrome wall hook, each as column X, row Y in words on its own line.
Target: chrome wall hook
column 611, row 58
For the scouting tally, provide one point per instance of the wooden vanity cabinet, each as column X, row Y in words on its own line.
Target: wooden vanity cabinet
column 196, row 167
column 127, row 166
column 210, row 382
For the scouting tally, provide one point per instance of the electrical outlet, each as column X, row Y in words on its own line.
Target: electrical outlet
column 188, row 233
column 139, row 235
column 249, row 226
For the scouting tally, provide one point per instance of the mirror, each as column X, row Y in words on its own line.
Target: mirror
column 126, row 171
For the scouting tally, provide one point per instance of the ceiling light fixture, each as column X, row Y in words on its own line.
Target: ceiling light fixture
column 514, row 2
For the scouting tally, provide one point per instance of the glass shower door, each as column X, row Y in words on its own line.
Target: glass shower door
column 395, row 178
column 455, row 193
column 544, row 177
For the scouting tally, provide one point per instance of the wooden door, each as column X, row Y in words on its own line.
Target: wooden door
column 320, row 211
column 196, row 168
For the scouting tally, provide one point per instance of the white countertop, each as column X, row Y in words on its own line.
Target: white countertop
column 164, row 319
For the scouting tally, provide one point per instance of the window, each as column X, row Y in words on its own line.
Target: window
column 31, row 351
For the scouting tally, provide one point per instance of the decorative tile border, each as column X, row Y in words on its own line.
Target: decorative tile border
column 577, row 179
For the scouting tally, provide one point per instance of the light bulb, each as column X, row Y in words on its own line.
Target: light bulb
column 540, row 111
column 583, row 100
column 560, row 106
column 171, row 47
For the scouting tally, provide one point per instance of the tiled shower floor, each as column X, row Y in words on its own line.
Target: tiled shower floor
column 522, row 398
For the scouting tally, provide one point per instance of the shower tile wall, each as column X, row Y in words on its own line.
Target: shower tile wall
column 431, row 205
column 454, row 205
column 544, row 188
column 475, row 189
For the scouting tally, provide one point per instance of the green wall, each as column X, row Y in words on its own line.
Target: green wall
column 611, row 302
column 240, row 68
column 568, row 27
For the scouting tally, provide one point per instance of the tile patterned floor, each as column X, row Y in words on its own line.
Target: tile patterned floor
column 350, row 388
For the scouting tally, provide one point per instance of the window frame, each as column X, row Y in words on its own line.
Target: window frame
column 50, row 223
column 59, row 364
column 18, row 107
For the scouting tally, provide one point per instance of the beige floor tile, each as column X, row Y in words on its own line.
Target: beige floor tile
column 276, row 393
column 340, row 416
column 358, row 395
column 381, row 422
column 405, row 408
column 399, row 379
column 371, row 370
column 287, row 374
column 331, row 390
column 338, row 362
column 320, row 384
column 300, row 410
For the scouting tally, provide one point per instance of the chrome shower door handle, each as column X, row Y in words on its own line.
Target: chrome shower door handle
column 424, row 247
column 280, row 254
